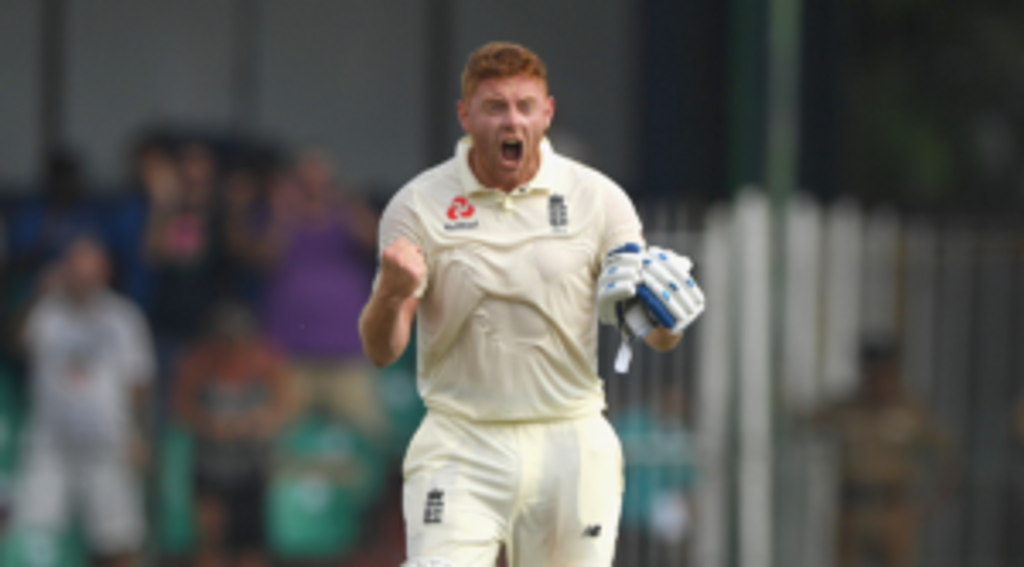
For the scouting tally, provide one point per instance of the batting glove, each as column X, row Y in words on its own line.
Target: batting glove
column 621, row 273
column 668, row 291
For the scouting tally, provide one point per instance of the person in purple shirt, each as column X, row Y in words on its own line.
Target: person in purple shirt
column 317, row 242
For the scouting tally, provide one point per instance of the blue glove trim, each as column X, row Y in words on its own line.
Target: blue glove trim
column 655, row 307
column 628, row 248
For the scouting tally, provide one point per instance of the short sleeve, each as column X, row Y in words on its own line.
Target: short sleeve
column 622, row 224
column 400, row 219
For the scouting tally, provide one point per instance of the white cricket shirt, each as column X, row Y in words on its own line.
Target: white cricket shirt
column 85, row 361
column 507, row 327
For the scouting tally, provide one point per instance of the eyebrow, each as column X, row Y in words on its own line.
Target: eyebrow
column 503, row 100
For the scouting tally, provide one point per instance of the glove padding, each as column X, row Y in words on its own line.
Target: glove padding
column 621, row 273
column 668, row 291
column 658, row 279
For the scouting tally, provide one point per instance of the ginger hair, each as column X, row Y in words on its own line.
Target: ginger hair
column 500, row 59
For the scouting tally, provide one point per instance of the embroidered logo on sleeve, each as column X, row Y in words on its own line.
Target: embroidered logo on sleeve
column 433, row 513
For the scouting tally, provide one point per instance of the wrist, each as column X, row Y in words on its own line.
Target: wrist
column 393, row 299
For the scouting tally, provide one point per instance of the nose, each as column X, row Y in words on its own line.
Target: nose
column 514, row 118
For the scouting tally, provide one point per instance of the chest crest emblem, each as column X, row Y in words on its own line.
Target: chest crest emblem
column 558, row 212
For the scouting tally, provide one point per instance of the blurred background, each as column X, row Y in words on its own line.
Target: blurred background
column 189, row 193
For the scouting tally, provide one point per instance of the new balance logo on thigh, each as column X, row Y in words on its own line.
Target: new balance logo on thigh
column 593, row 530
column 433, row 513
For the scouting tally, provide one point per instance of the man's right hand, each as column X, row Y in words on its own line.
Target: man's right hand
column 386, row 320
column 402, row 269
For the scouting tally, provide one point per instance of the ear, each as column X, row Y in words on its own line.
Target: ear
column 462, row 109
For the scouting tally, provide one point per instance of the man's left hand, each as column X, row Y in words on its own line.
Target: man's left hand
column 620, row 275
column 669, row 292
column 658, row 279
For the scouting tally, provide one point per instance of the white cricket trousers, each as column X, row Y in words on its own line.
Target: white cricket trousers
column 550, row 491
column 99, row 487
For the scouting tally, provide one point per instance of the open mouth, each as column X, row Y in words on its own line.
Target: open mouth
column 512, row 150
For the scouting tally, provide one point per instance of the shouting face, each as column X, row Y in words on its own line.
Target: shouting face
column 506, row 118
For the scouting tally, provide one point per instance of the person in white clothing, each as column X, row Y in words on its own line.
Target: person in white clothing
column 90, row 362
column 498, row 253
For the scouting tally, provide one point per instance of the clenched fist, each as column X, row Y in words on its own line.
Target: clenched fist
column 402, row 269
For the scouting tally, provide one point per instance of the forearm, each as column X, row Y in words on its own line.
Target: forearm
column 385, row 326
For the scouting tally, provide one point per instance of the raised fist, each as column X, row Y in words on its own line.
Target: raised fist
column 403, row 269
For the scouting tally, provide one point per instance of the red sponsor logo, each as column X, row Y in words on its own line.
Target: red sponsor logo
column 461, row 209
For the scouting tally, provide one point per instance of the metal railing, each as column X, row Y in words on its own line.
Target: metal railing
column 791, row 294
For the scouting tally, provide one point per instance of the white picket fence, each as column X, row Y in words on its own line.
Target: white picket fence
column 790, row 295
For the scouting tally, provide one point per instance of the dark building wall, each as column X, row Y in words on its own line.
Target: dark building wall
column 348, row 74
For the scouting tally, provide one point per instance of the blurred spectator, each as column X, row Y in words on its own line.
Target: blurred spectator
column 659, row 474
column 42, row 227
column 318, row 246
column 184, row 246
column 154, row 171
column 90, row 363
column 245, row 199
column 233, row 393
column 895, row 464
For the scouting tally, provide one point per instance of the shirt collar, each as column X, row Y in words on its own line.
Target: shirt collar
column 544, row 182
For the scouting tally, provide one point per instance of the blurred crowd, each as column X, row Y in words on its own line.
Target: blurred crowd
column 182, row 373
column 182, row 383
